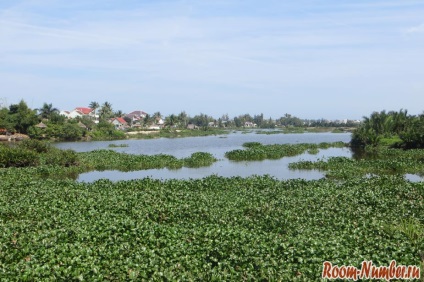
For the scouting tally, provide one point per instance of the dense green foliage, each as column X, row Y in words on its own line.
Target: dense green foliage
column 34, row 153
column 395, row 129
column 256, row 151
column 18, row 118
column 213, row 229
column 16, row 157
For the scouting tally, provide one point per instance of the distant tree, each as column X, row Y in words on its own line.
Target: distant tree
column 106, row 111
column 201, row 120
column 118, row 113
column 289, row 120
column 258, row 119
column 128, row 120
column 21, row 117
column 183, row 119
column 46, row 111
column 171, row 120
column 94, row 105
column 157, row 116
column 56, row 118
column 5, row 121
column 238, row 122
column 71, row 131
column 147, row 120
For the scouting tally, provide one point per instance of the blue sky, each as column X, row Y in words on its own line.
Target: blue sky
column 310, row 58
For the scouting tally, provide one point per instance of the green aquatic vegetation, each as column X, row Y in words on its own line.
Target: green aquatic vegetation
column 179, row 133
column 111, row 160
column 17, row 157
column 251, row 144
column 270, row 132
column 313, row 151
column 35, row 153
column 118, row 145
column 337, row 130
column 412, row 228
column 222, row 229
column 256, row 151
column 41, row 154
column 36, row 145
column 199, row 159
column 385, row 161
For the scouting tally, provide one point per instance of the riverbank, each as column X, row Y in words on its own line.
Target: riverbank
column 13, row 137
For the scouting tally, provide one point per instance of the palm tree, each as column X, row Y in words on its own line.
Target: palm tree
column 106, row 110
column 147, row 120
column 118, row 113
column 182, row 119
column 47, row 110
column 94, row 105
column 171, row 120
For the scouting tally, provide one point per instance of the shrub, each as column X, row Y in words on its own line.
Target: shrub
column 17, row 157
column 35, row 145
column 61, row 158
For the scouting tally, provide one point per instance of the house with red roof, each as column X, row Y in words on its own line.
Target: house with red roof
column 119, row 123
column 80, row 112
column 85, row 111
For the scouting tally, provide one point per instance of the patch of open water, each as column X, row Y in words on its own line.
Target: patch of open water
column 217, row 146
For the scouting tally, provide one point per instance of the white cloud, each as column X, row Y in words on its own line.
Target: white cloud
column 416, row 29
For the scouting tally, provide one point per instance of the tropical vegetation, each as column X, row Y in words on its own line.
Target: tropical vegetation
column 394, row 129
column 46, row 122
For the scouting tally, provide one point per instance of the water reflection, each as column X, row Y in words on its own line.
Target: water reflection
column 276, row 168
column 217, row 146
column 414, row 177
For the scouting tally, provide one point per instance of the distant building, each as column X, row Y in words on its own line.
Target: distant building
column 249, row 124
column 81, row 112
column 136, row 115
column 192, row 126
column 119, row 123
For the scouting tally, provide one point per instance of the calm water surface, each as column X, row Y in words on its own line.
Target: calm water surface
column 216, row 145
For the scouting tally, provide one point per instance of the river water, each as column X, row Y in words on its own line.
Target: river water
column 217, row 146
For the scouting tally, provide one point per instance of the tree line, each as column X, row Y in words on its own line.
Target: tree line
column 19, row 118
column 398, row 129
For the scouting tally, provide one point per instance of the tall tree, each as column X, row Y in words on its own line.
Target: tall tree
column 94, row 105
column 118, row 113
column 21, row 117
column 171, row 120
column 46, row 111
column 106, row 111
column 182, row 119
